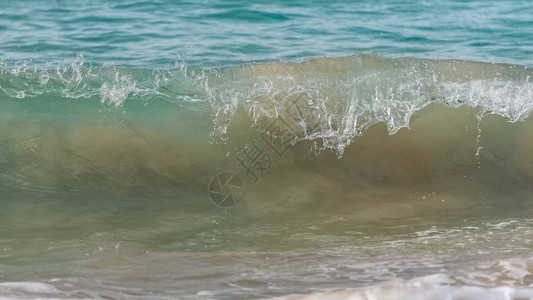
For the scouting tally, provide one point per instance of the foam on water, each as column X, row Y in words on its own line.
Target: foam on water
column 339, row 97
column 419, row 289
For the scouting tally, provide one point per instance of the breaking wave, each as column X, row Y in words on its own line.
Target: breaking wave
column 84, row 128
column 336, row 98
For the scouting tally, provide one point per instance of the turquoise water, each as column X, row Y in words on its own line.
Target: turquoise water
column 219, row 33
column 239, row 150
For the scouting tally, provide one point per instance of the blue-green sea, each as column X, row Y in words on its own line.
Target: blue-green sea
column 266, row 149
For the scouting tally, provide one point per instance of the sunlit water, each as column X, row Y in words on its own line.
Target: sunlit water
column 384, row 150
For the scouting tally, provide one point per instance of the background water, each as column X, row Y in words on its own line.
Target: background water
column 409, row 174
column 218, row 33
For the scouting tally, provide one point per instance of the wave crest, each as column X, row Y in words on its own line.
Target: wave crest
column 331, row 100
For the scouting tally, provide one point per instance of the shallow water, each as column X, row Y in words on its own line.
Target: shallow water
column 404, row 173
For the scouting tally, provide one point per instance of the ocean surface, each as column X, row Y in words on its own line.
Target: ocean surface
column 277, row 149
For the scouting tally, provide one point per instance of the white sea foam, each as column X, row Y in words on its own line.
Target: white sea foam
column 427, row 288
